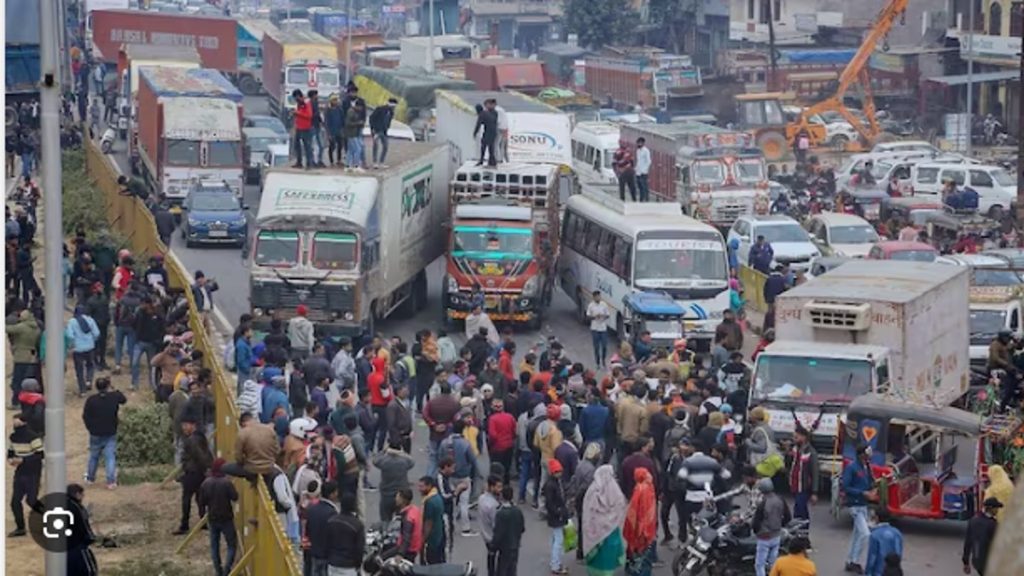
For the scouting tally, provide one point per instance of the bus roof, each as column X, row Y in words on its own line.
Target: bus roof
column 598, row 129
column 600, row 203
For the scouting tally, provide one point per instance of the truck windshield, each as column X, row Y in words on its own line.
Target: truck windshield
column 277, row 249
column 297, row 75
column 748, row 170
column 480, row 242
column 811, row 380
column 994, row 277
column 182, row 153
column 334, row 251
column 224, row 154
column 326, row 77
column 660, row 261
column 708, row 172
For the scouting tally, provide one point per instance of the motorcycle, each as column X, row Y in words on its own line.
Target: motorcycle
column 381, row 559
column 724, row 544
column 107, row 140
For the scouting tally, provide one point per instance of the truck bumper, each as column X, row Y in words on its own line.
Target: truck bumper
column 322, row 329
column 503, row 308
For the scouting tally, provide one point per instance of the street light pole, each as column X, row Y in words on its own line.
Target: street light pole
column 49, row 97
column 970, row 78
column 1020, row 133
column 348, row 35
column 430, row 41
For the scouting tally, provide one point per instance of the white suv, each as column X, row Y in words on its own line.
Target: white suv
column 789, row 241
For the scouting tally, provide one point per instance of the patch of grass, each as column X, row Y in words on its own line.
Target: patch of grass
column 143, row 474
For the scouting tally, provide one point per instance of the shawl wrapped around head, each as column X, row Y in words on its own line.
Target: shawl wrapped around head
column 641, row 527
column 604, row 508
column 430, row 350
column 1000, row 487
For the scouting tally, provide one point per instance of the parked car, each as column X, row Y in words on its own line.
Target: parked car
column 790, row 242
column 276, row 156
column 264, row 121
column 907, row 146
column 996, row 188
column 838, row 234
column 213, row 215
column 906, row 251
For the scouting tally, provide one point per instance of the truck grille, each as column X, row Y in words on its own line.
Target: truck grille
column 729, row 212
column 321, row 300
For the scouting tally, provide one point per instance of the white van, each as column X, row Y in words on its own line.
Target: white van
column 996, row 188
column 593, row 146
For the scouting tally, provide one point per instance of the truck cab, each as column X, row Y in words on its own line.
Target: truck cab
column 722, row 178
column 993, row 309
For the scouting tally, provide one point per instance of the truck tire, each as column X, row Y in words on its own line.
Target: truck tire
column 419, row 292
column 10, row 116
column 773, row 145
column 248, row 85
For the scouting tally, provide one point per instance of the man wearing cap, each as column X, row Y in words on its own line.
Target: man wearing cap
column 857, row 484
column 23, row 336
column 301, row 334
column 981, row 531
column 557, row 513
column 217, row 495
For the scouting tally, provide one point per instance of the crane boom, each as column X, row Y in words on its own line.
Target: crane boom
column 856, row 70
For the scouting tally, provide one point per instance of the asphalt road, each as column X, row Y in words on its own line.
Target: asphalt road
column 931, row 548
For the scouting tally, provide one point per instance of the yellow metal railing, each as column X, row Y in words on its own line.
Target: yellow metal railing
column 753, row 288
column 264, row 549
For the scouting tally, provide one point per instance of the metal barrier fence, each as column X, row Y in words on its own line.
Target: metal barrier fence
column 753, row 288
column 264, row 550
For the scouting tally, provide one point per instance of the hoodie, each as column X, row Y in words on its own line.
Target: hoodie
column 250, row 400
column 547, row 439
column 734, row 259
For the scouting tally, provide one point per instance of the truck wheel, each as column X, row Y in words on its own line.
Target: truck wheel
column 248, row 86
column 773, row 145
column 996, row 212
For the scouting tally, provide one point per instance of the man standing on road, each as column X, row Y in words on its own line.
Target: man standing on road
column 346, row 539
column 399, row 419
column 622, row 162
column 771, row 516
column 394, row 466
column 303, row 130
column 195, row 461
column 509, row 526
column 149, row 335
column 803, row 475
column 466, row 471
column 761, row 255
column 100, row 416
column 317, row 517
column 217, row 495
column 488, row 505
column 981, row 531
column 598, row 314
column 433, row 522
column 557, row 513
column 301, row 334
column 380, row 123
column 439, row 413
column 25, row 453
column 857, row 483
column 643, row 169
column 501, row 437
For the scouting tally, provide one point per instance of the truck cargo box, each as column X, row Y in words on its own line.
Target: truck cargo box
column 214, row 37
column 521, row 75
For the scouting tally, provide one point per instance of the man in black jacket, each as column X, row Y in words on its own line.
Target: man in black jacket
column 509, row 527
column 195, row 461
column 165, row 224
column 346, row 538
column 557, row 514
column 25, row 453
column 101, row 420
column 317, row 517
column 399, row 418
column 149, row 336
column 217, row 494
column 488, row 120
column 981, row 531
column 480, row 350
column 98, row 307
column 380, row 123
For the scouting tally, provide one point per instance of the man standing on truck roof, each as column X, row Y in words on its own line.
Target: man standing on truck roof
column 303, row 130
column 643, row 168
column 488, row 120
column 380, row 123
column 625, row 170
column 334, row 121
column 317, row 125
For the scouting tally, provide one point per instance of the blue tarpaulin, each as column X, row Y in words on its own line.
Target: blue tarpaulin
column 816, row 56
column 197, row 82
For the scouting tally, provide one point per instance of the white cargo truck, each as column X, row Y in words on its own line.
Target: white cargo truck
column 994, row 309
column 896, row 328
column 531, row 132
column 352, row 248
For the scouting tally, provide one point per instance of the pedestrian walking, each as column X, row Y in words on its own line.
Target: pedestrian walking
column 217, row 496
column 598, row 314
column 981, row 532
column 149, row 337
column 100, row 416
column 771, row 515
column 643, row 169
column 885, row 541
column 97, row 307
column 557, row 514
column 380, row 123
column 80, row 559
column 857, row 483
column 82, row 332
column 195, row 461
column 604, row 513
column 487, row 506
column 24, row 338
column 1000, row 487
column 25, row 453
column 509, row 527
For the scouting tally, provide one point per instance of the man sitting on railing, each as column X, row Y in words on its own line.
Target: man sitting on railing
column 256, row 449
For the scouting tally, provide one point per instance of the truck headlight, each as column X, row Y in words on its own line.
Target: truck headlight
column 531, row 287
column 349, row 316
column 452, row 284
column 257, row 311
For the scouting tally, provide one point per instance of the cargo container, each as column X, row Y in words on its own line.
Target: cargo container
column 21, row 56
column 497, row 74
column 352, row 248
column 449, row 57
column 298, row 61
column 531, row 132
column 363, row 43
column 647, row 77
column 868, row 326
column 249, row 75
column 214, row 37
column 414, row 89
column 334, row 23
column 190, row 129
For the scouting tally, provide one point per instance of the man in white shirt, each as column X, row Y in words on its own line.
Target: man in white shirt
column 643, row 169
column 598, row 313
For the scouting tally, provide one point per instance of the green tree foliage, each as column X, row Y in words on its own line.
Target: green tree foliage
column 144, row 437
column 83, row 202
column 600, row 22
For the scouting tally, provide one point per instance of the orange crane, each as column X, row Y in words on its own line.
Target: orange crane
column 855, row 71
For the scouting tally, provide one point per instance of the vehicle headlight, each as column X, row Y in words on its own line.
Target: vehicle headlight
column 349, row 316
column 531, row 287
column 193, row 222
column 703, row 545
column 257, row 311
column 452, row 284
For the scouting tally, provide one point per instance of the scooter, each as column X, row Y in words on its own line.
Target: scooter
column 107, row 140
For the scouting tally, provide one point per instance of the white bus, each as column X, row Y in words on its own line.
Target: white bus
column 623, row 247
column 593, row 145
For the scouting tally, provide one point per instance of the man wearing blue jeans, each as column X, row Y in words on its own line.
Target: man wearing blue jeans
column 770, row 517
column 100, row 416
column 217, row 494
column 598, row 313
column 557, row 511
column 857, row 483
column 149, row 334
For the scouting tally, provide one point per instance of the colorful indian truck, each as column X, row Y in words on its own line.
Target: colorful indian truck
column 298, row 60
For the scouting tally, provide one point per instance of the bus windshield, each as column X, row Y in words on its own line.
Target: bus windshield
column 277, row 249
column 804, row 379
column 493, row 243
column 662, row 262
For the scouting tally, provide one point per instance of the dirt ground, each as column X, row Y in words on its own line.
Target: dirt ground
column 139, row 518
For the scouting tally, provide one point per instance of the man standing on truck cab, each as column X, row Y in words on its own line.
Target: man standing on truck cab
column 303, row 130
column 488, row 120
column 625, row 170
column 643, row 168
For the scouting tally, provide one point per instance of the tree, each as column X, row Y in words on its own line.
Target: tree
column 600, row 22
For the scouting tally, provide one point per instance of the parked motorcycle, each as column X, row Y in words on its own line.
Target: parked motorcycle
column 107, row 140
column 381, row 559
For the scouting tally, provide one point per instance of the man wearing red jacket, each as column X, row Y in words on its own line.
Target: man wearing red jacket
column 501, row 437
column 508, row 352
column 303, row 130
column 380, row 395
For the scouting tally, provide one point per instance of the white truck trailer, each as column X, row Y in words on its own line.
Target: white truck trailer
column 351, row 248
column 896, row 328
column 531, row 132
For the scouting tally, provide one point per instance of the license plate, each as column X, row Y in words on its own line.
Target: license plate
column 691, row 326
column 492, row 302
column 218, row 233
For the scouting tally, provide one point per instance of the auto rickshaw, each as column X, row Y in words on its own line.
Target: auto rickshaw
column 867, row 201
column 944, row 228
column 914, row 453
column 655, row 312
column 909, row 209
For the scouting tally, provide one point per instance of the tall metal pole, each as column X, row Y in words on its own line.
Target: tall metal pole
column 49, row 92
column 970, row 78
column 1020, row 132
column 348, row 36
column 773, row 63
column 430, row 41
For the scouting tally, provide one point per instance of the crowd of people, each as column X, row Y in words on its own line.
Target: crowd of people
column 341, row 124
